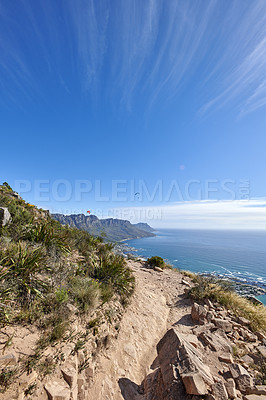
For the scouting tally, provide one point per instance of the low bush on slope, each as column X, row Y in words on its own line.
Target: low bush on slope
column 44, row 265
column 221, row 292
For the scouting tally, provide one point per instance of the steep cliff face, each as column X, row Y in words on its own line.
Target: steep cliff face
column 144, row 227
column 112, row 229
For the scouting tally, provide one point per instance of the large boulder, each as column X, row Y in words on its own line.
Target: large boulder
column 194, row 383
column 216, row 341
column 178, row 358
column 242, row 378
column 5, row 216
column 57, row 391
column 219, row 391
column 231, row 388
column 223, row 324
column 198, row 313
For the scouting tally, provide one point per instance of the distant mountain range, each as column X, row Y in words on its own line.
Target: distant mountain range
column 113, row 229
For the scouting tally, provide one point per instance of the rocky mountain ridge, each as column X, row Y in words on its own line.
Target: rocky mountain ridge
column 111, row 228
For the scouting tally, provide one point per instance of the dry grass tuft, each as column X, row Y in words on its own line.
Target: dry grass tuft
column 240, row 306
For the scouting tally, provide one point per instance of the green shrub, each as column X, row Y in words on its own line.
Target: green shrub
column 6, row 186
column 107, row 292
column 58, row 331
column 24, row 264
column 7, row 375
column 61, row 295
column 44, row 233
column 156, row 261
column 5, row 293
column 113, row 271
column 85, row 292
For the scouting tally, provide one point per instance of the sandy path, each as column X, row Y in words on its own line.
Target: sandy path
column 156, row 304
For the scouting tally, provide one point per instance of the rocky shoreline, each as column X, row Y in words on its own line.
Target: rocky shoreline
column 245, row 289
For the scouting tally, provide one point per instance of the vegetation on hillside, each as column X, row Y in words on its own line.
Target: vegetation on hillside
column 221, row 291
column 158, row 262
column 47, row 269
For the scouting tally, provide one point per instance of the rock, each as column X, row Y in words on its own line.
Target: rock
column 223, row 324
column 57, row 391
column 253, row 397
column 186, row 283
column 199, row 329
column 237, row 370
column 236, row 335
column 194, row 384
column 83, row 388
column 192, row 339
column 198, row 313
column 262, row 350
column 25, row 380
column 158, row 269
column 260, row 335
column 71, row 308
column 130, row 350
column 190, row 361
column 251, row 337
column 219, row 391
column 5, row 216
column 247, row 359
column 67, row 350
column 167, row 355
column 16, row 195
column 241, row 376
column 227, row 358
column 258, row 389
column 209, row 316
column 230, row 388
column 70, row 375
column 179, row 358
column 89, row 372
column 208, row 303
column 209, row 397
column 216, row 342
column 8, row 360
column 243, row 332
column 153, row 388
column 243, row 321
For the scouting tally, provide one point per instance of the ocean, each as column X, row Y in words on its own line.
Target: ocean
column 237, row 255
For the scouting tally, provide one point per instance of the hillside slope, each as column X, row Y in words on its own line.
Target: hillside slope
column 78, row 322
column 60, row 288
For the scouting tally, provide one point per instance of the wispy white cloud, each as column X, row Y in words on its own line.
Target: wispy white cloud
column 88, row 22
column 123, row 51
column 241, row 70
column 237, row 214
column 256, row 100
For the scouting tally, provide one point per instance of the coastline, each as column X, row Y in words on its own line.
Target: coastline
column 243, row 288
column 149, row 234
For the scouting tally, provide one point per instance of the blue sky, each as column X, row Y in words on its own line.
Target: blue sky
column 126, row 96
